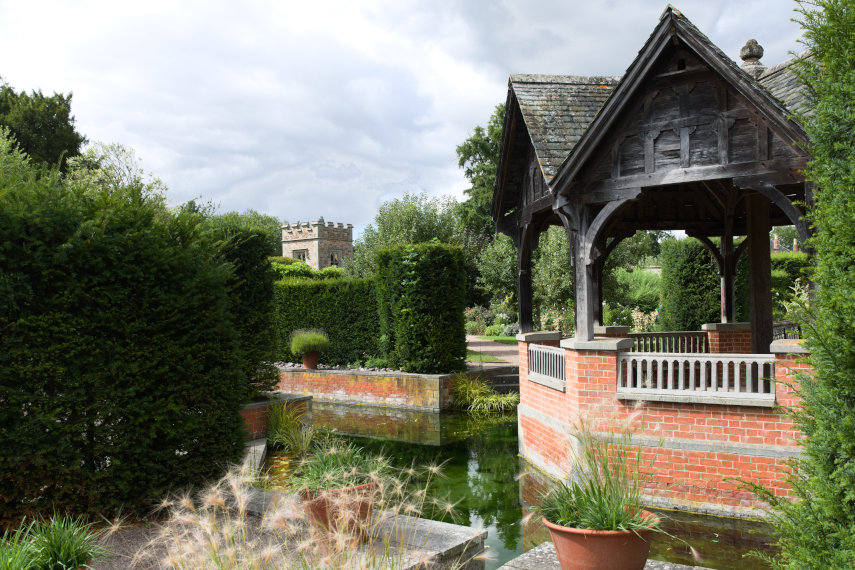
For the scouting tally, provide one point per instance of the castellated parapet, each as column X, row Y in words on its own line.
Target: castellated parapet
column 320, row 244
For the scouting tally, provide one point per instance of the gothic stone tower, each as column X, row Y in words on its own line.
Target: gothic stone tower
column 318, row 243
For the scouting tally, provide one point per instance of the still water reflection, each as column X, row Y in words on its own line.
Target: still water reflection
column 491, row 485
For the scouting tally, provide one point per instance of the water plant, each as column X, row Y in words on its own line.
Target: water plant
column 475, row 395
column 304, row 341
column 287, row 429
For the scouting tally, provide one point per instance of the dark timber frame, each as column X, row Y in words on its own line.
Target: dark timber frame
column 686, row 140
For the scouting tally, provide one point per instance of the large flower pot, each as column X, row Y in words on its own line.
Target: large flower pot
column 347, row 509
column 310, row 360
column 581, row 549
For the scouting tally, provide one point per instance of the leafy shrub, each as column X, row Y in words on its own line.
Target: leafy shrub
column 690, row 286
column 292, row 270
column 422, row 295
column 512, row 329
column 120, row 366
column 474, row 327
column 641, row 289
column 304, row 341
column 617, row 315
column 494, row 330
column 346, row 309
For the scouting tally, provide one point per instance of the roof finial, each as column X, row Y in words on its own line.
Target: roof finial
column 751, row 53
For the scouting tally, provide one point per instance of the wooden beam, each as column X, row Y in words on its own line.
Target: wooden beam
column 524, row 290
column 699, row 173
column 760, row 278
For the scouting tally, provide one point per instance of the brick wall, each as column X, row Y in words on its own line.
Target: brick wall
column 730, row 338
column 255, row 414
column 696, row 447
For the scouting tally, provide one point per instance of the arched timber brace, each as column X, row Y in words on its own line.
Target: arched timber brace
column 575, row 219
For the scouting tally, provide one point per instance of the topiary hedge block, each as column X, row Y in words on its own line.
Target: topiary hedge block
column 422, row 295
column 346, row 309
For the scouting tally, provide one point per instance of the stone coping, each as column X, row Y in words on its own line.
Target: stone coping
column 726, row 327
column 358, row 372
column 543, row 558
column 539, row 336
column 280, row 396
column 611, row 329
column 598, row 344
column 788, row 346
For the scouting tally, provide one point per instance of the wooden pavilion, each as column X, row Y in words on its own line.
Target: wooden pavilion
column 685, row 140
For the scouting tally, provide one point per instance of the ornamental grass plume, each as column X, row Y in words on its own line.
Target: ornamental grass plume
column 216, row 529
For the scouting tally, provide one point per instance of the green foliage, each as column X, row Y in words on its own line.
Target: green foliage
column 552, row 270
column 628, row 255
column 477, row 396
column 609, row 476
column 638, row 289
column 64, row 542
column 245, row 246
column 286, row 429
column 346, row 309
column 42, row 126
column 422, row 295
column 341, row 465
column 304, row 341
column 413, row 218
column 478, row 156
column 690, row 286
column 818, row 529
column 16, row 549
column 269, row 226
column 296, row 268
column 120, row 367
column 58, row 543
column 497, row 271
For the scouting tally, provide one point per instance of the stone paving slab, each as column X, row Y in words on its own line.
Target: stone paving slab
column 543, row 558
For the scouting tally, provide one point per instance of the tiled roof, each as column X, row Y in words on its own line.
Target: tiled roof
column 781, row 81
column 557, row 110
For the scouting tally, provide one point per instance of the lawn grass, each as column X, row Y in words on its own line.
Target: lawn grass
column 502, row 339
column 472, row 356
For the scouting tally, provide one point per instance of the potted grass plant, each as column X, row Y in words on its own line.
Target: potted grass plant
column 337, row 487
column 309, row 344
column 596, row 519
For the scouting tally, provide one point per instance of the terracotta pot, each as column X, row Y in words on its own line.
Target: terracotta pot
column 350, row 507
column 581, row 549
column 310, row 360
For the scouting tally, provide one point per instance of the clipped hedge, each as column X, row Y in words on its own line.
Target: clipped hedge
column 346, row 309
column 251, row 292
column 120, row 378
column 422, row 296
column 690, row 286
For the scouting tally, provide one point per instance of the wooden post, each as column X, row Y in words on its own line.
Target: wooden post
column 584, row 282
column 760, row 273
column 728, row 271
column 597, row 277
column 524, row 290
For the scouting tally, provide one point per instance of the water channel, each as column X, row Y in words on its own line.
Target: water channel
column 492, row 485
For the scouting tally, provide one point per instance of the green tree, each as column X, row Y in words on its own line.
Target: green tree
column 43, row 126
column 818, row 529
column 478, row 156
column 413, row 218
column 250, row 219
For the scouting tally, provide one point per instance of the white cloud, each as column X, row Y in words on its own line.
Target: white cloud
column 326, row 108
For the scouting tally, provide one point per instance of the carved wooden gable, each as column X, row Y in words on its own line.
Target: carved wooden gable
column 686, row 123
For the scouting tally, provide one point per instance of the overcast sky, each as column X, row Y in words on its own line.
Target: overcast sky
column 327, row 108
